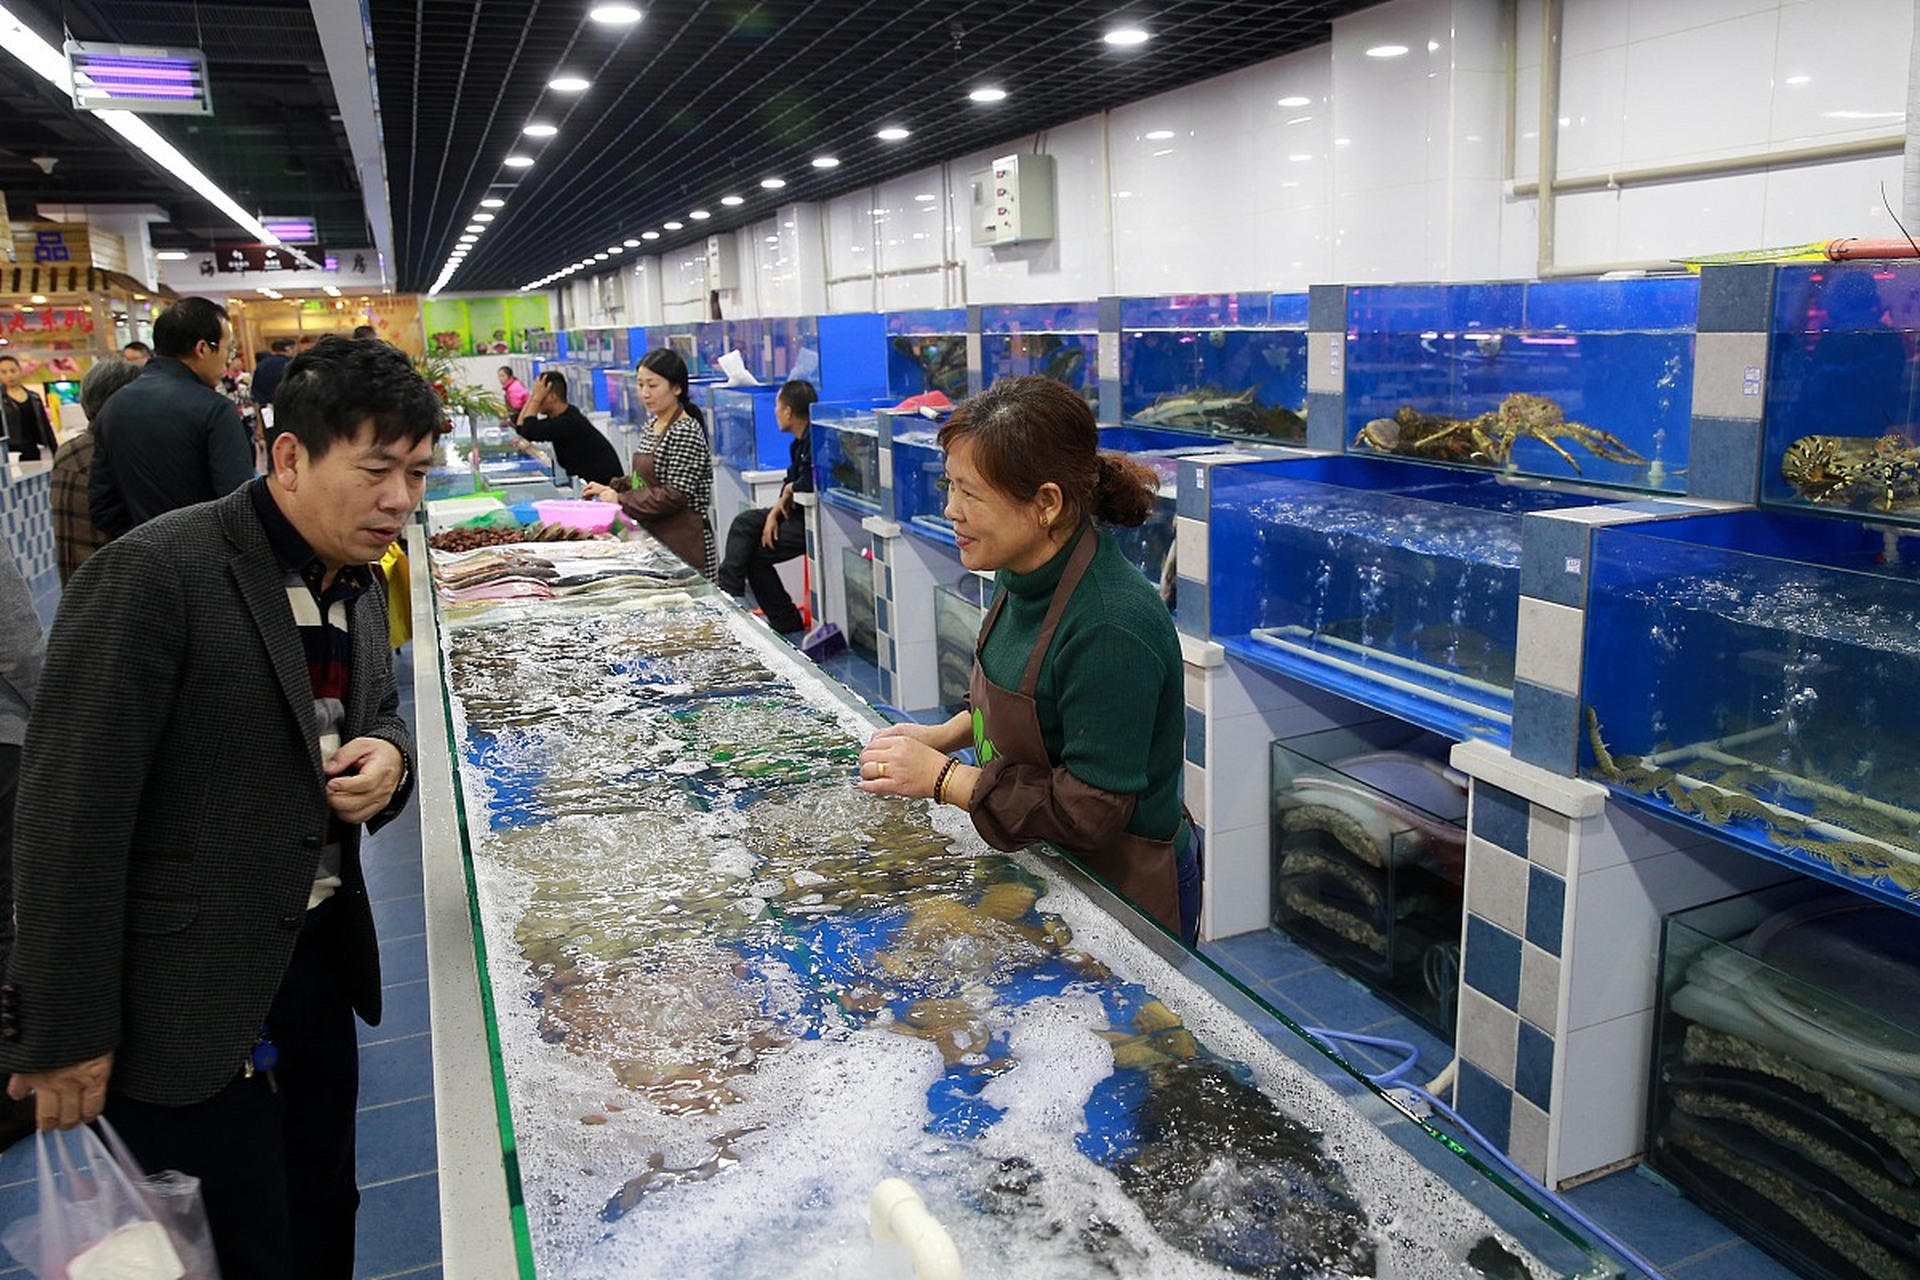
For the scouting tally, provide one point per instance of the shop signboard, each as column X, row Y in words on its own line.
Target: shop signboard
column 243, row 258
column 52, row 244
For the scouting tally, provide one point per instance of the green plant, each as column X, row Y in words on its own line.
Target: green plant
column 476, row 403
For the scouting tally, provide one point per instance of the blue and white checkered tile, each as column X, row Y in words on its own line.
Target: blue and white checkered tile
column 26, row 520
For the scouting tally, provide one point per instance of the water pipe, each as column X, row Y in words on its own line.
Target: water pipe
column 1848, row 248
column 897, row 1215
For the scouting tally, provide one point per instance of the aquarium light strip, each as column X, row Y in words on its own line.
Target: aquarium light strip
column 1283, row 638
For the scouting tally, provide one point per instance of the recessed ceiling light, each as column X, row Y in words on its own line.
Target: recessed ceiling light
column 1159, row 135
column 826, row 162
column 613, row 249
column 599, row 257
column 475, row 227
column 172, row 255
column 699, row 215
column 519, row 162
column 988, row 95
column 1295, row 101
column 773, row 184
column 1125, row 36
column 468, row 239
column 649, row 235
column 540, row 130
column 893, row 133
column 493, row 202
column 614, row 14
column 631, row 244
column 730, row 201
column 1386, row 51
column 673, row 226
column 569, row 84
column 925, row 196
column 483, row 217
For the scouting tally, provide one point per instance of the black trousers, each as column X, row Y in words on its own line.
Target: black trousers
column 749, row 564
column 274, row 1155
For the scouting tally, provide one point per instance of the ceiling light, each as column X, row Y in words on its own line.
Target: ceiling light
column 329, row 290
column 673, row 226
column 614, row 14
column 172, row 255
column 519, row 162
column 1159, row 135
column 1295, row 101
column 925, row 196
column 826, row 162
column 475, row 227
column 483, row 217
column 1125, row 36
column 1386, row 51
column 773, row 239
column 630, row 244
column 493, row 202
column 613, row 249
column 540, row 130
column 731, row 201
column 988, row 95
column 893, row 133
column 699, row 215
column 468, row 239
column 649, row 235
column 569, row 84
column 38, row 298
column 773, row 184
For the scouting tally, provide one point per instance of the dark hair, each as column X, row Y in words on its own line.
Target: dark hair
column 1027, row 431
column 799, row 397
column 342, row 383
column 508, row 370
column 12, row 360
column 106, row 376
column 557, row 381
column 365, row 331
column 137, row 345
column 279, row 345
column 184, row 325
column 668, row 364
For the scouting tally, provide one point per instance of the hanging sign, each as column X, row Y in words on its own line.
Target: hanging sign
column 240, row 258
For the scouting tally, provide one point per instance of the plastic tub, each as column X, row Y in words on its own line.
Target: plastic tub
column 594, row 517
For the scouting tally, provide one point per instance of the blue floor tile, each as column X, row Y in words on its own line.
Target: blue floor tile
column 405, row 1011
column 1266, row 954
column 395, row 1070
column 396, row 917
column 1739, row 1261
column 398, row 1231
column 1655, row 1220
column 396, row 1142
column 403, row 959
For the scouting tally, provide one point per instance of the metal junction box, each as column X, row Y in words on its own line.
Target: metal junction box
column 1013, row 201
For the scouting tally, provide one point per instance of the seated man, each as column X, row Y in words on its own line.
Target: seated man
column 577, row 444
column 764, row 537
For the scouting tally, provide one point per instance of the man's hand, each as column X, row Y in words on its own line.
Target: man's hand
column 65, row 1096
column 770, row 532
column 362, row 777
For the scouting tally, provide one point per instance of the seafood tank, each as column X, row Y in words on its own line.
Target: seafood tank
column 1786, row 1088
column 1226, row 364
column 959, row 609
column 1369, row 854
column 729, row 994
column 856, row 564
column 745, row 435
column 1747, row 673
column 927, row 351
column 1395, row 584
column 1058, row 341
column 1843, row 427
column 1587, row 379
column 846, row 455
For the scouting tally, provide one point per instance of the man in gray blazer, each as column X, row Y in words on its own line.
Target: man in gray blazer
column 216, row 719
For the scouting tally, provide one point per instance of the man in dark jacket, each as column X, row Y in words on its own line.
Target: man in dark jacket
column 266, row 376
column 215, row 721
column 169, row 439
column 763, row 538
column 548, row 419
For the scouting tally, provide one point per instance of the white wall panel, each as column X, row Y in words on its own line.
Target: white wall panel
column 1593, row 112
column 848, row 227
column 1826, row 201
column 1828, row 87
column 1701, row 93
column 1655, row 19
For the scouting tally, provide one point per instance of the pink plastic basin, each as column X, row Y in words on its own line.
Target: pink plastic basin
column 594, row 517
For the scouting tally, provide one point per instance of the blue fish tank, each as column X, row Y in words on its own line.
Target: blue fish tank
column 927, row 351
column 1588, row 380
column 1842, row 422
column 746, row 435
column 846, row 455
column 1747, row 675
column 919, row 503
column 1058, row 341
column 1227, row 364
column 1391, row 583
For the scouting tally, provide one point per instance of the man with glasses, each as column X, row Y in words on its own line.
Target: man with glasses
column 169, row 439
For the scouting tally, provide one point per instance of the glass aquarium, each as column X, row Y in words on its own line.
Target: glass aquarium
column 746, row 435
column 1587, row 379
column 846, row 455
column 927, row 351
column 730, row 994
column 959, row 609
column 856, row 564
column 1395, row 584
column 1058, row 341
column 1369, row 856
column 919, row 502
column 1786, row 1089
column 1229, row 364
column 1843, row 426
column 1747, row 673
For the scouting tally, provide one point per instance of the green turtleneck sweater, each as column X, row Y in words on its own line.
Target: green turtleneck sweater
column 1111, row 699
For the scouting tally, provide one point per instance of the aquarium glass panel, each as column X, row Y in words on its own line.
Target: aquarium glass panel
column 959, row 607
column 1230, row 364
column 1051, row 341
column 846, row 456
column 857, row 570
column 1748, row 674
column 927, row 351
column 1396, row 584
column 919, row 502
column 746, row 435
column 1586, row 379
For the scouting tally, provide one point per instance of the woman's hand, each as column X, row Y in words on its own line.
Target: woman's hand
column 900, row 764
column 595, row 492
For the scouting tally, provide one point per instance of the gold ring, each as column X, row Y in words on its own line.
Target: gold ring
column 880, row 770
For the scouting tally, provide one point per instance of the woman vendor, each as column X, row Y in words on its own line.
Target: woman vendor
column 1077, row 703
column 672, row 482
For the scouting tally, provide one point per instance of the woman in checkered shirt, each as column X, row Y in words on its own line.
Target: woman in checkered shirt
column 671, row 486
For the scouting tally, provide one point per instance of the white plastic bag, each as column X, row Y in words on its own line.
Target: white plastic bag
column 101, row 1218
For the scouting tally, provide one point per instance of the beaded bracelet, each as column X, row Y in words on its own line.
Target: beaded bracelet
column 940, row 783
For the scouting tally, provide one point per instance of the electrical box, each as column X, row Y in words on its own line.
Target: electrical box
column 1013, row 201
column 723, row 261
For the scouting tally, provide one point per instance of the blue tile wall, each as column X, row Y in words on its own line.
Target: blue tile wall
column 1723, row 459
column 1192, row 500
column 1196, row 736
column 1194, row 616
column 1546, row 728
column 1533, row 1066
column 1493, row 962
column 1327, row 308
column 881, row 614
column 1736, row 298
column 1109, row 309
column 1546, row 910
column 1326, row 421
column 1486, row 1103
column 1547, row 547
column 26, row 520
column 1501, row 817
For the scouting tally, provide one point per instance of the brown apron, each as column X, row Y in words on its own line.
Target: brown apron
column 684, row 532
column 1007, row 726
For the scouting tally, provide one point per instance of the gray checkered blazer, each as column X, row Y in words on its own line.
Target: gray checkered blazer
column 172, row 808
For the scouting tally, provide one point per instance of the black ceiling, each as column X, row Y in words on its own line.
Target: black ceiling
column 702, row 98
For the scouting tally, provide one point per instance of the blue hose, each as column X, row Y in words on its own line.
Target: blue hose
column 1392, row 1077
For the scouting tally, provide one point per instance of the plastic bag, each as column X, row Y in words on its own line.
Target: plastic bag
column 101, row 1218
